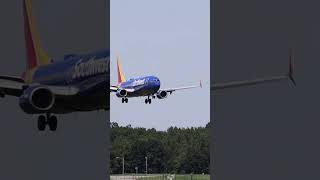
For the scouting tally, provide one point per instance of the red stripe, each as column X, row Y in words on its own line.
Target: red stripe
column 30, row 49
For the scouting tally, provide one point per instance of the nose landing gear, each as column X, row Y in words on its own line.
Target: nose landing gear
column 49, row 120
column 148, row 100
column 124, row 100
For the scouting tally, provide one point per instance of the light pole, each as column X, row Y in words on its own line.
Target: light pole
column 136, row 169
column 122, row 163
column 146, row 165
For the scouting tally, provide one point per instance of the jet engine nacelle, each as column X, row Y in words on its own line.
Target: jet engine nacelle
column 36, row 99
column 162, row 94
column 121, row 93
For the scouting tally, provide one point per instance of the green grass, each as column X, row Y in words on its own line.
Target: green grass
column 177, row 177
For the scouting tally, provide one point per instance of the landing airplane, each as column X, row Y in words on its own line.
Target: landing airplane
column 149, row 86
column 79, row 82
column 76, row 82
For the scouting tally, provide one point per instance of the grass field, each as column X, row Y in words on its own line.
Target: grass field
column 160, row 177
column 176, row 177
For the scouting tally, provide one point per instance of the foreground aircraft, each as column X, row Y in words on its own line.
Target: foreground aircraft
column 149, row 86
column 57, row 86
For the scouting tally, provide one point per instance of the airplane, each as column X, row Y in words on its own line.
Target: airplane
column 73, row 83
column 149, row 86
column 79, row 82
column 146, row 86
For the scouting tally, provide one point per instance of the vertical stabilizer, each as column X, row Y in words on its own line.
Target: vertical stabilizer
column 121, row 77
column 35, row 55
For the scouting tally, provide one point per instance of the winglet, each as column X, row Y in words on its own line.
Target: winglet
column 200, row 84
column 291, row 66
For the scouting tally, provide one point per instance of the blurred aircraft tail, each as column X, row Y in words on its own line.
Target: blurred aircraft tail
column 36, row 56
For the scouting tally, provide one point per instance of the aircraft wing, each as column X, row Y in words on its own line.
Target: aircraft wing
column 14, row 87
column 115, row 89
column 10, row 87
column 288, row 76
column 247, row 82
column 170, row 90
column 12, row 78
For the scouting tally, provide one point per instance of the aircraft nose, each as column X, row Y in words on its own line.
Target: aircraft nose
column 158, row 83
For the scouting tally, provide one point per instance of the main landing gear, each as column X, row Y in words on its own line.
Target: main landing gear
column 124, row 100
column 49, row 120
column 148, row 100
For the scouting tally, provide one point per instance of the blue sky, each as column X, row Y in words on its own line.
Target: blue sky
column 171, row 40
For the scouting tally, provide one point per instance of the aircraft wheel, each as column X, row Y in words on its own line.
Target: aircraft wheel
column 146, row 101
column 53, row 123
column 149, row 100
column 42, row 123
column 126, row 100
column 122, row 100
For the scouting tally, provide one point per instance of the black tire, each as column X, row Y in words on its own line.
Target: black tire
column 126, row 100
column 146, row 101
column 53, row 123
column 42, row 123
column 149, row 100
column 122, row 100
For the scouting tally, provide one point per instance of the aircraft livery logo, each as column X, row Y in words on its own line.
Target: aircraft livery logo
column 91, row 67
column 138, row 82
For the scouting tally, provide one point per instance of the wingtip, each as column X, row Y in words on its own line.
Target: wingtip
column 291, row 66
column 200, row 84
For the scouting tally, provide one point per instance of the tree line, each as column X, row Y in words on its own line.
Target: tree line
column 176, row 150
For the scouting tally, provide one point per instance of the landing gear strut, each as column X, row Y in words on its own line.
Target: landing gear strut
column 49, row 120
column 124, row 100
column 148, row 100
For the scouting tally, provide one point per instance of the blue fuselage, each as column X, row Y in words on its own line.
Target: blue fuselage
column 89, row 73
column 144, row 86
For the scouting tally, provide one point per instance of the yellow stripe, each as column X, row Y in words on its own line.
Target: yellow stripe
column 122, row 78
column 42, row 57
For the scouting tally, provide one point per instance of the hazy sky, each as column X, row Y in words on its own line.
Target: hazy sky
column 172, row 42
